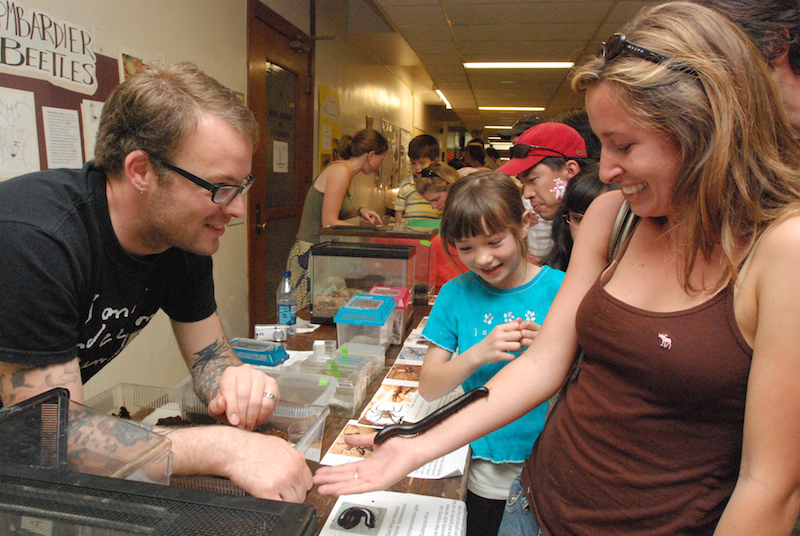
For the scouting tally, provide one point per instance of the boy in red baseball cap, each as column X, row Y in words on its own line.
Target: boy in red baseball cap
column 544, row 158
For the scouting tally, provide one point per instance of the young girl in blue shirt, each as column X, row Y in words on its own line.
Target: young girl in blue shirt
column 481, row 321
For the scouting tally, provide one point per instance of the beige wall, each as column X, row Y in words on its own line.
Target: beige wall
column 212, row 34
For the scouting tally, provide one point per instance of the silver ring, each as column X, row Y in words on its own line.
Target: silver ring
column 356, row 475
column 270, row 395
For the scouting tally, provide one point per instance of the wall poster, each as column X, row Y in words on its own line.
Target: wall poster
column 330, row 126
column 20, row 142
column 390, row 168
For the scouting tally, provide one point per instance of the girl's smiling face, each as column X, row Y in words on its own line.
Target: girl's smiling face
column 496, row 257
column 644, row 163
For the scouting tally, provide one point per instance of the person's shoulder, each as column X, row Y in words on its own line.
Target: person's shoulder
column 458, row 283
column 773, row 243
column 42, row 193
column 552, row 274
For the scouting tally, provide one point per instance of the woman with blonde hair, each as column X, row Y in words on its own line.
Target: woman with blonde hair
column 683, row 418
column 434, row 182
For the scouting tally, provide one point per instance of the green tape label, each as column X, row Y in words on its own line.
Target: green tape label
column 323, row 381
column 425, row 243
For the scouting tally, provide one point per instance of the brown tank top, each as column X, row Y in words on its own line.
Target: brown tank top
column 648, row 438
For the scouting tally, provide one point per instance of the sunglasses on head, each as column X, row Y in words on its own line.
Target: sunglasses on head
column 428, row 173
column 618, row 43
column 521, row 150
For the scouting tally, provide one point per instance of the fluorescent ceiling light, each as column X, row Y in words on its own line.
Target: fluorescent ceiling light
column 502, row 146
column 511, row 109
column 519, row 65
column 497, row 127
column 446, row 102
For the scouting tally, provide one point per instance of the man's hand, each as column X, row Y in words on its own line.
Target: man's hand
column 269, row 468
column 241, row 401
column 264, row 466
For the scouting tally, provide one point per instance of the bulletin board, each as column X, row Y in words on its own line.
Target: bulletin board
column 48, row 96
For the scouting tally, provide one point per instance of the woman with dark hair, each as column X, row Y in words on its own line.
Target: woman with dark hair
column 579, row 193
column 328, row 201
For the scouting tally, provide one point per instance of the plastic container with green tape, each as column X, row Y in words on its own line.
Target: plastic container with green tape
column 352, row 381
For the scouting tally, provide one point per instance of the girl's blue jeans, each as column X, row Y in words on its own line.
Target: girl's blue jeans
column 518, row 520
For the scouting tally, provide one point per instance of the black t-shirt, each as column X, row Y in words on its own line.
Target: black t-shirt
column 68, row 288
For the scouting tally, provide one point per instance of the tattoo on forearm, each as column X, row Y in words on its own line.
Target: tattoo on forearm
column 210, row 364
column 25, row 381
column 18, row 378
column 102, row 443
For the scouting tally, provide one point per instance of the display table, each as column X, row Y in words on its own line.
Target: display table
column 451, row 488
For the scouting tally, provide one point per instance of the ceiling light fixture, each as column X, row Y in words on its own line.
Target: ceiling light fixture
column 512, row 108
column 519, row 65
column 498, row 127
column 446, row 102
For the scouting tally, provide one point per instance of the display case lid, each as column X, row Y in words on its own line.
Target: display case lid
column 382, row 231
column 401, row 295
column 366, row 310
column 255, row 352
column 350, row 249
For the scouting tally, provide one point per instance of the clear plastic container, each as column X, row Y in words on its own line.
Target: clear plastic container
column 371, row 354
column 148, row 404
column 404, row 310
column 352, row 381
column 365, row 319
column 43, row 432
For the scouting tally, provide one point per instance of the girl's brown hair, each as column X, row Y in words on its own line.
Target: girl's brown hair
column 480, row 203
column 362, row 142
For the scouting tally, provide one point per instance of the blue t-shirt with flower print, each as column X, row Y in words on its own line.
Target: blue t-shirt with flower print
column 466, row 310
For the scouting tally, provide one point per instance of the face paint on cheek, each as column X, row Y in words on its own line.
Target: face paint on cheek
column 559, row 188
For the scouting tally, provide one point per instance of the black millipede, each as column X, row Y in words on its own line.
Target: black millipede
column 411, row 430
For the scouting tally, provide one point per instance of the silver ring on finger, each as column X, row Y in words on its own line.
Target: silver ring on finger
column 269, row 395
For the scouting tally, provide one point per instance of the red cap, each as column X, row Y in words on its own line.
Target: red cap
column 557, row 136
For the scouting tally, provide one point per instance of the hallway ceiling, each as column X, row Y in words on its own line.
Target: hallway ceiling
column 428, row 41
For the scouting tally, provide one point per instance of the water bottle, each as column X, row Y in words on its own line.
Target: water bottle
column 287, row 303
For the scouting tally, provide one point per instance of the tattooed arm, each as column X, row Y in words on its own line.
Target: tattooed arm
column 21, row 382
column 233, row 391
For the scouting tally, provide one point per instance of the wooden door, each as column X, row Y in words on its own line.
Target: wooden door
column 279, row 92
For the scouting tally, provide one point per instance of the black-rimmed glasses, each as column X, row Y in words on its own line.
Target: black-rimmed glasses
column 221, row 194
column 618, row 43
column 521, row 150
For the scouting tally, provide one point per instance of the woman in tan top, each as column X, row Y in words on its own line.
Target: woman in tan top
column 328, row 201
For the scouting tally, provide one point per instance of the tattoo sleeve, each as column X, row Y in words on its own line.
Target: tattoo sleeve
column 102, row 445
column 211, row 362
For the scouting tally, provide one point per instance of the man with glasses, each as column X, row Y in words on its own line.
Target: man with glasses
column 774, row 26
column 90, row 256
column 544, row 158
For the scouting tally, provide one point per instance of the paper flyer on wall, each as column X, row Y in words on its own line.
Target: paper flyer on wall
column 341, row 453
column 387, row 513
